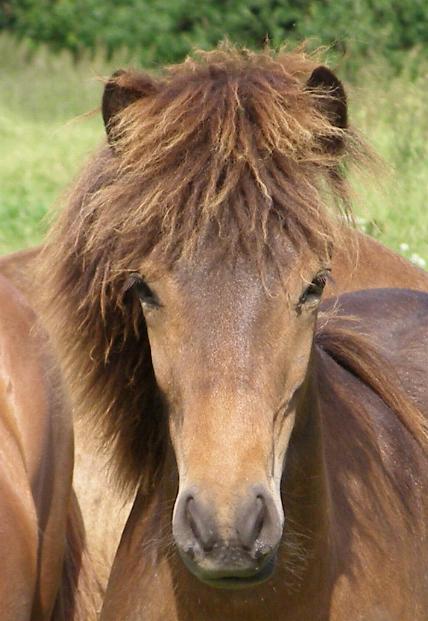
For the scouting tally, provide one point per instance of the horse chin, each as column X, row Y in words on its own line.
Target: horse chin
column 232, row 580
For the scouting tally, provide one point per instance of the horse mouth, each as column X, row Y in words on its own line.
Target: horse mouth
column 233, row 579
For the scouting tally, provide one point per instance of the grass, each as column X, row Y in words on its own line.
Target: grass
column 43, row 144
column 392, row 114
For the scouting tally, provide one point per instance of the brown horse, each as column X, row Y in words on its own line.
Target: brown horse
column 92, row 477
column 41, row 544
column 359, row 262
column 182, row 289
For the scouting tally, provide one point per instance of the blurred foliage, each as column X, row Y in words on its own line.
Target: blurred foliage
column 164, row 31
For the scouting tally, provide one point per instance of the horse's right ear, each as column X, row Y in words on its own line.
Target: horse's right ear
column 121, row 90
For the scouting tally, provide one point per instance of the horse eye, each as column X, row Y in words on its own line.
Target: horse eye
column 142, row 289
column 313, row 292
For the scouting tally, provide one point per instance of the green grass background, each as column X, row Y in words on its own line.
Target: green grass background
column 44, row 141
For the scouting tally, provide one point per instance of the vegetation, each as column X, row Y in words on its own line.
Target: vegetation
column 163, row 31
column 44, row 145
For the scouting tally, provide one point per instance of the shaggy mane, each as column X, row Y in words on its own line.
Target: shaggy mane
column 225, row 148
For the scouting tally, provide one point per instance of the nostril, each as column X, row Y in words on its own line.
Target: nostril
column 260, row 515
column 251, row 523
column 191, row 518
column 200, row 525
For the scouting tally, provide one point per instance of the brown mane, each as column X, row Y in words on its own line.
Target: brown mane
column 227, row 146
column 345, row 342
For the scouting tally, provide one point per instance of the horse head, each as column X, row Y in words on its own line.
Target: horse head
column 230, row 358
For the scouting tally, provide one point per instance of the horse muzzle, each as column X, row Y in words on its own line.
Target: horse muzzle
column 228, row 553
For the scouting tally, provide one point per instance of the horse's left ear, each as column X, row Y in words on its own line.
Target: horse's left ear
column 121, row 90
column 332, row 102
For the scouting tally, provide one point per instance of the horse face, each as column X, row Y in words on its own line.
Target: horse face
column 230, row 358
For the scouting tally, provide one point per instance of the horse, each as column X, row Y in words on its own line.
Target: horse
column 369, row 265
column 41, row 538
column 181, row 289
column 91, row 476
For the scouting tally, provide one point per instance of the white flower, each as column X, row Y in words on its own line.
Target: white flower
column 416, row 259
column 404, row 247
column 361, row 223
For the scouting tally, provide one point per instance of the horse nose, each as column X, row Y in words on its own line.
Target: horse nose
column 249, row 534
column 249, row 523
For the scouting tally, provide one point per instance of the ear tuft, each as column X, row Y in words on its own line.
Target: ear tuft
column 123, row 89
